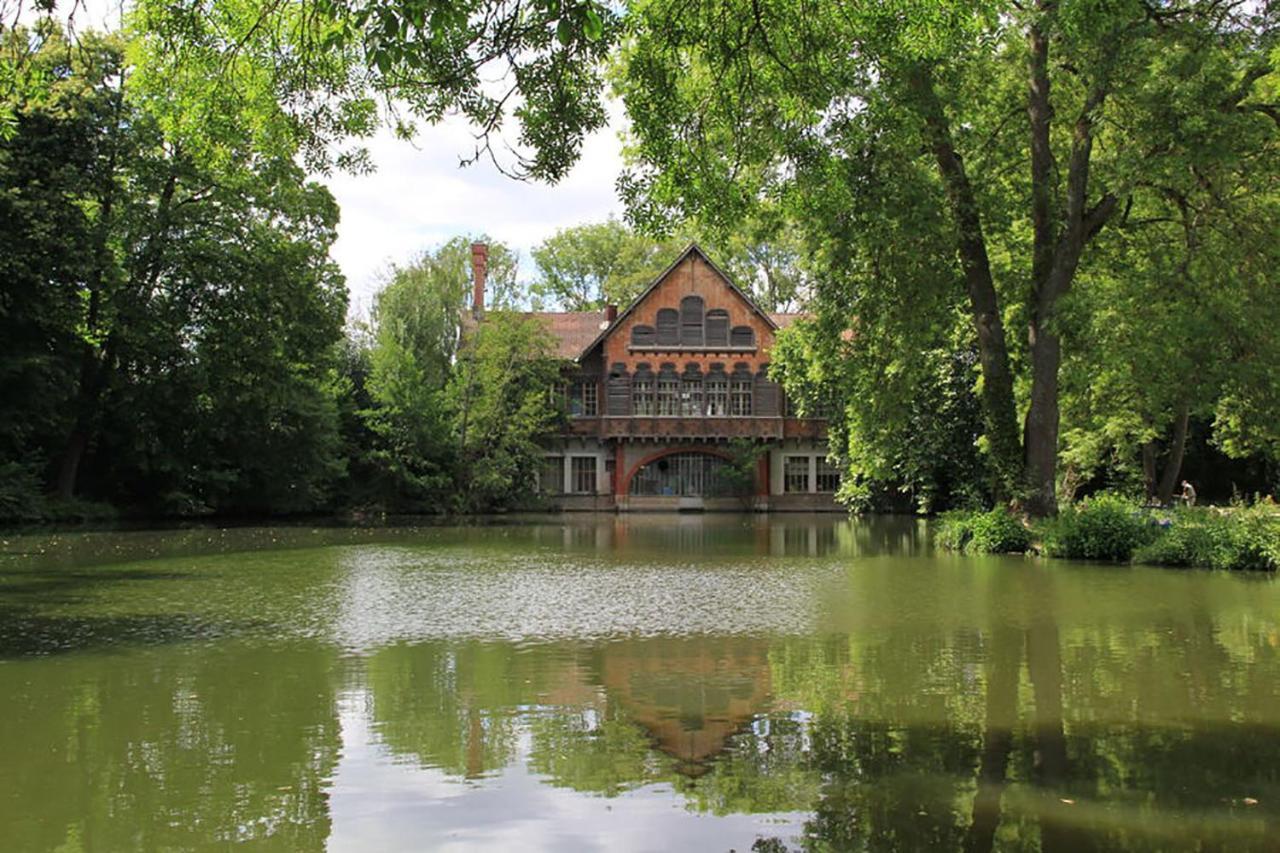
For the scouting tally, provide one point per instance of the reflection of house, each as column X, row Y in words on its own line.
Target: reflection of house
column 658, row 392
column 690, row 695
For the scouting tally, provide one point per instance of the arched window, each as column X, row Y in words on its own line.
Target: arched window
column 717, row 328
column 687, row 474
column 691, row 321
column 642, row 391
column 742, row 336
column 642, row 336
column 668, row 327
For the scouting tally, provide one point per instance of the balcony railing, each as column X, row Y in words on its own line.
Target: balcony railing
column 659, row 427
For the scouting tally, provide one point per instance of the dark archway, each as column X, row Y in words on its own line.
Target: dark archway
column 681, row 472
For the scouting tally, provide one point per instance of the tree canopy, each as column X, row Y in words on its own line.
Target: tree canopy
column 943, row 157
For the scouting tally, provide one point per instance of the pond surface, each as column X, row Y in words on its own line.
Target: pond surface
column 626, row 683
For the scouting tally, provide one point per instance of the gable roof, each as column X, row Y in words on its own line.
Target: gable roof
column 688, row 250
column 572, row 330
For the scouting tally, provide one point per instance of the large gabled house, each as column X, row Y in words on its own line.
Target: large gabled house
column 658, row 392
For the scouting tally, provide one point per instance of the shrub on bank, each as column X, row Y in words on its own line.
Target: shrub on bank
column 995, row 532
column 1241, row 539
column 1102, row 527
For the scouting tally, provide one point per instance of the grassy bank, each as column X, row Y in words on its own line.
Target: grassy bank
column 1114, row 529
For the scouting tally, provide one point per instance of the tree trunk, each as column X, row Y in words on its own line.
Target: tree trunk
column 69, row 465
column 1040, row 430
column 1149, row 470
column 999, row 412
column 1173, row 465
column 1052, row 281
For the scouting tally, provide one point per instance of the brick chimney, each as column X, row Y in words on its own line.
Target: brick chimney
column 610, row 313
column 479, row 270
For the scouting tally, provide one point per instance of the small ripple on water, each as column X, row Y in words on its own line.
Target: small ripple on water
column 396, row 595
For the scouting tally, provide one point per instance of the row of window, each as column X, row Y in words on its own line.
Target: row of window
column 582, row 475
column 691, row 396
column 691, row 328
column 684, row 474
column 801, row 474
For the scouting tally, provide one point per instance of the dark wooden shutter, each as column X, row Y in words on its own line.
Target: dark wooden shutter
column 742, row 336
column 767, row 394
column 642, row 336
column 668, row 327
column 618, row 393
column 691, row 321
column 717, row 328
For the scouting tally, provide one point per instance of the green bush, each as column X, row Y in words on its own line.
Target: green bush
column 1241, row 539
column 995, row 532
column 1103, row 527
column 21, row 495
column 955, row 528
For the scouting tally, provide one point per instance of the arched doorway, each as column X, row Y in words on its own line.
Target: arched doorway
column 686, row 474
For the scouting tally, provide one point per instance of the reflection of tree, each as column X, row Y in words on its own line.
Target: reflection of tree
column 592, row 750
column 452, row 705
column 1114, row 733
column 177, row 750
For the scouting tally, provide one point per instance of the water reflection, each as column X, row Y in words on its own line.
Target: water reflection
column 802, row 684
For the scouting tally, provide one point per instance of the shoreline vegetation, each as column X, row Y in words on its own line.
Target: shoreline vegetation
column 1112, row 528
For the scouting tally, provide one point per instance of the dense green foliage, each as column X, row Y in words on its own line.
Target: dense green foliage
column 167, row 326
column 586, row 267
column 1244, row 538
column 501, row 397
column 1102, row 527
column 995, row 531
column 445, row 416
column 964, row 170
column 1111, row 528
column 171, row 336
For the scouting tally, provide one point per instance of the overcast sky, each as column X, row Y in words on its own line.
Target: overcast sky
column 419, row 196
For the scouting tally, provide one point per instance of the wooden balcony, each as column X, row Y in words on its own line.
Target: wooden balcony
column 768, row 427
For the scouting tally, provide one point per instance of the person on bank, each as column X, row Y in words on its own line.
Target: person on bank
column 1188, row 494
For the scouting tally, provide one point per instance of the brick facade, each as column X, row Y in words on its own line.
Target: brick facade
column 676, row 376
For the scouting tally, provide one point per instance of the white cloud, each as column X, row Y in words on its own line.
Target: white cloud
column 420, row 196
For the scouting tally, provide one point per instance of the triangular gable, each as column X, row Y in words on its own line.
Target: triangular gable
column 688, row 250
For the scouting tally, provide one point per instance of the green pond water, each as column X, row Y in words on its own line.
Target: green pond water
column 626, row 683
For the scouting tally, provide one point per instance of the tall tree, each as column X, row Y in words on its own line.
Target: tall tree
column 147, row 287
column 415, row 330
column 587, row 266
column 1038, row 123
column 501, row 398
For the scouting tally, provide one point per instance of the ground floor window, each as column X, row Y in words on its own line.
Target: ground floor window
column 584, row 475
column 795, row 474
column 689, row 474
column 551, row 475
column 828, row 476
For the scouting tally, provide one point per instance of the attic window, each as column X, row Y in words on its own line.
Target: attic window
column 742, row 336
column 691, row 321
column 642, row 336
column 717, row 328
column 668, row 327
